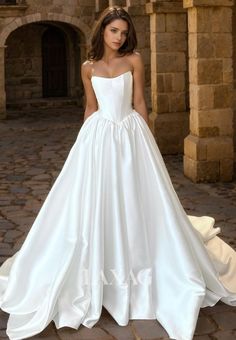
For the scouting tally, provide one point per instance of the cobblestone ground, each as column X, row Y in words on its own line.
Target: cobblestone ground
column 33, row 148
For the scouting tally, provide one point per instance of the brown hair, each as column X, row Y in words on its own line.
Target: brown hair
column 111, row 13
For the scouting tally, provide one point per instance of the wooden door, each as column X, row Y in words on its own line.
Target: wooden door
column 54, row 63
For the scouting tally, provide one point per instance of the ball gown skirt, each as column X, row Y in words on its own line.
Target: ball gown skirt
column 112, row 233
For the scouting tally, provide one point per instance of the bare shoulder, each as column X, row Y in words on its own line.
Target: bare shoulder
column 136, row 57
column 86, row 68
column 136, row 60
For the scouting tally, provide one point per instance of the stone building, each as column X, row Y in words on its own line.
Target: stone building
column 188, row 47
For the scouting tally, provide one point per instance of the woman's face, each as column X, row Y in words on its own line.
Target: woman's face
column 115, row 34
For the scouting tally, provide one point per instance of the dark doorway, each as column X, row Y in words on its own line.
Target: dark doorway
column 54, row 63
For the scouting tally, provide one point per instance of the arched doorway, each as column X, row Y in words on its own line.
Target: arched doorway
column 44, row 70
column 54, row 63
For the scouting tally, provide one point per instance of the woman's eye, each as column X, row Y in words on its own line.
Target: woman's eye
column 113, row 30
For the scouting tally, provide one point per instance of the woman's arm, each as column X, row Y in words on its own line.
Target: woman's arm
column 91, row 100
column 138, row 90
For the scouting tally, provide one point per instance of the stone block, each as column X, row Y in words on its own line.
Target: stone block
column 193, row 74
column 199, row 19
column 177, row 102
column 190, row 169
column 201, row 171
column 223, row 45
column 169, row 42
column 162, row 103
column 208, row 131
column 141, row 23
column 203, row 3
column 195, row 148
column 209, row 71
column 145, row 55
column 227, row 65
column 201, row 97
column 142, row 40
column 171, row 62
column 221, row 19
column 228, row 77
column 209, row 123
column 201, row 45
column 176, row 22
column 157, row 23
column 219, row 148
column 154, row 101
column 167, row 82
column 178, row 82
column 158, row 83
column 223, row 96
column 154, row 62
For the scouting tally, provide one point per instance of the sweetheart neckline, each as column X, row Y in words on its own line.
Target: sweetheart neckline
column 94, row 76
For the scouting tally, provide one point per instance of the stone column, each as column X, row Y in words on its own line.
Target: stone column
column 170, row 117
column 2, row 83
column 209, row 146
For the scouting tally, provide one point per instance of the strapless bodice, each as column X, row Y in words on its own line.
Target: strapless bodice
column 114, row 95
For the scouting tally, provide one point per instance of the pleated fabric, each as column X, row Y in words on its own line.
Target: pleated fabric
column 112, row 232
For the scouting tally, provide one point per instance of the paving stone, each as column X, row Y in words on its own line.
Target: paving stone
column 3, row 320
column 205, row 326
column 48, row 333
column 226, row 321
column 42, row 177
column 4, row 245
column 3, row 335
column 220, row 307
column 225, row 335
column 148, row 329
column 35, row 171
column 5, row 225
column 120, row 332
column 5, row 251
column 19, row 190
column 84, row 333
column 13, row 234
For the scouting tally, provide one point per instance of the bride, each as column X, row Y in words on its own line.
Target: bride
column 112, row 231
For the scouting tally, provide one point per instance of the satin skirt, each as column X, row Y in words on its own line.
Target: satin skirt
column 112, row 233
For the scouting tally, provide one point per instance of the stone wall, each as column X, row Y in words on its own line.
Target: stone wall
column 24, row 63
column 74, row 8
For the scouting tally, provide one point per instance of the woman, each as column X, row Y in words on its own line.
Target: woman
column 112, row 231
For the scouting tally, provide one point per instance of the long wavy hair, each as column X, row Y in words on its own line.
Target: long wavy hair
column 111, row 13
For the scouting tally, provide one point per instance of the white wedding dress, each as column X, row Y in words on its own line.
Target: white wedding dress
column 113, row 233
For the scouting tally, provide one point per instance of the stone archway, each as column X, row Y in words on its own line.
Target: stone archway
column 76, row 23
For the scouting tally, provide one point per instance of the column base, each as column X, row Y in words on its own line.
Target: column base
column 208, row 159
